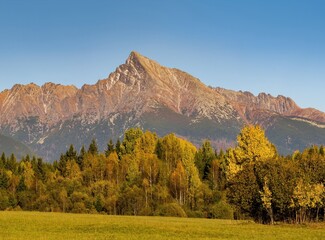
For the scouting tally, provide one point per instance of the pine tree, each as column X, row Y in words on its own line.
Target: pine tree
column 21, row 185
column 93, row 148
column 11, row 163
column 81, row 156
column 204, row 158
column 110, row 148
column 71, row 154
column 322, row 151
column 3, row 160
column 118, row 148
column 40, row 169
column 62, row 165
column 4, row 179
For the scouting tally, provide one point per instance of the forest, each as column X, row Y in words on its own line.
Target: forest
column 144, row 174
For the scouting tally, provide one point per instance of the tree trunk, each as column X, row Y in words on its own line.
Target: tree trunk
column 271, row 216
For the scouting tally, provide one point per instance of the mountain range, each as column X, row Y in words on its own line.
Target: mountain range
column 142, row 93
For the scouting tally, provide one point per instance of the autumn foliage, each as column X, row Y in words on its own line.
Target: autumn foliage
column 147, row 175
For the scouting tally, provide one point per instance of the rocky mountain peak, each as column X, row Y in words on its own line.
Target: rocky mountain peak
column 135, row 57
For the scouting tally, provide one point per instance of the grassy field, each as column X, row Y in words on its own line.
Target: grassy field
column 35, row 225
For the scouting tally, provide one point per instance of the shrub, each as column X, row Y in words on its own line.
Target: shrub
column 4, row 200
column 221, row 210
column 195, row 214
column 79, row 207
column 171, row 209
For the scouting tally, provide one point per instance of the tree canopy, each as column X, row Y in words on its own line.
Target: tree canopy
column 144, row 174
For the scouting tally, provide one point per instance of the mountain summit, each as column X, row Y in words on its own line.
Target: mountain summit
column 143, row 93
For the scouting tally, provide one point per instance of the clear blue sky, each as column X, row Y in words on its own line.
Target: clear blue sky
column 271, row 46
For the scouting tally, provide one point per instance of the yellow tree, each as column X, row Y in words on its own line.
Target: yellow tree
column 148, row 162
column 185, row 180
column 316, row 201
column 266, row 197
column 301, row 199
column 252, row 146
column 178, row 182
column 168, row 150
column 146, row 143
column 73, row 171
column 188, row 151
column 111, row 170
column 28, row 174
column 145, row 153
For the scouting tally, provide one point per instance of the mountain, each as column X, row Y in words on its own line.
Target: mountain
column 143, row 93
column 9, row 145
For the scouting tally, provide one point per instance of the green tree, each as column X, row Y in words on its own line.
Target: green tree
column 11, row 163
column 203, row 159
column 110, row 148
column 81, row 156
column 119, row 148
column 243, row 194
column 3, row 160
column 93, row 148
column 4, row 179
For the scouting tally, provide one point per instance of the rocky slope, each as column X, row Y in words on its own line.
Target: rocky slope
column 143, row 93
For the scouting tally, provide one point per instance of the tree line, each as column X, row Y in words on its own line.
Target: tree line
column 147, row 175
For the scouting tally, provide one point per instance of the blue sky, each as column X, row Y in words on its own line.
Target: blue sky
column 274, row 46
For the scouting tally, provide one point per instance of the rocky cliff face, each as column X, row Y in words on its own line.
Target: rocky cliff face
column 139, row 93
column 246, row 104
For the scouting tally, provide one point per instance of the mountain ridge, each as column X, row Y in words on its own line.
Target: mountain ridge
column 136, row 94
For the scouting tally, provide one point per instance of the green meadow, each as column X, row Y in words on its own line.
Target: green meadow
column 36, row 225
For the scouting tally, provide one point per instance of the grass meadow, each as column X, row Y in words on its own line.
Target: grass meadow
column 36, row 225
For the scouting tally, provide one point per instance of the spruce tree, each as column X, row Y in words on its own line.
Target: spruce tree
column 110, row 148
column 93, row 148
column 81, row 156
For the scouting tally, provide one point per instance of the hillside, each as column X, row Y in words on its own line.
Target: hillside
column 9, row 145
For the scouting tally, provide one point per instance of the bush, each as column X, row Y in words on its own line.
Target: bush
column 171, row 210
column 145, row 211
column 221, row 210
column 79, row 207
column 4, row 200
column 195, row 214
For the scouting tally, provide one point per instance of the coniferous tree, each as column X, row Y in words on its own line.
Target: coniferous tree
column 119, row 148
column 11, row 163
column 62, row 165
column 40, row 169
column 3, row 160
column 81, row 156
column 322, row 151
column 71, row 154
column 110, row 148
column 21, row 185
column 93, row 148
column 4, row 179
column 204, row 158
